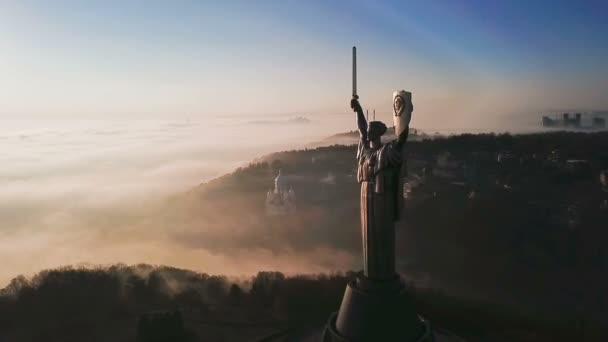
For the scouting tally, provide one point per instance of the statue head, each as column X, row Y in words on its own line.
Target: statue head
column 375, row 130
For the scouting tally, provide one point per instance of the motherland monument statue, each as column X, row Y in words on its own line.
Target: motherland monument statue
column 376, row 306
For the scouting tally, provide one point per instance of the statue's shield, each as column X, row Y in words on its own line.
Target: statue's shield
column 402, row 110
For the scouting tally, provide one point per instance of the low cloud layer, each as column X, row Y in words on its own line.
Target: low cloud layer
column 88, row 192
column 74, row 191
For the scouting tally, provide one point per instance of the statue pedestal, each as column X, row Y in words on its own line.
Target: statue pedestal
column 376, row 310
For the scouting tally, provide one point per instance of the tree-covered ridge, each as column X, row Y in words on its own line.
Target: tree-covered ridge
column 159, row 303
column 516, row 218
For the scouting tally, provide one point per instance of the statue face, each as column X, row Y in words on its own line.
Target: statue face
column 398, row 105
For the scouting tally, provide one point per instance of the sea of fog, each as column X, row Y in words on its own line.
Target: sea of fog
column 65, row 182
column 110, row 159
column 79, row 190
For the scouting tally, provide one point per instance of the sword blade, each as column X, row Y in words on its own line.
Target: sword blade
column 354, row 71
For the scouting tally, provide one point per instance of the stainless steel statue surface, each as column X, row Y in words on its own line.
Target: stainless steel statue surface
column 376, row 305
column 380, row 172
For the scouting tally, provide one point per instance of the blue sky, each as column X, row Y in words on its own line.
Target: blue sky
column 471, row 59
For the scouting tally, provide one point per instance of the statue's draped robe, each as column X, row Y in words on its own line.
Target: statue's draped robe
column 379, row 172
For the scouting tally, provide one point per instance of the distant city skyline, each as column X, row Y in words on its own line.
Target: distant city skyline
column 464, row 61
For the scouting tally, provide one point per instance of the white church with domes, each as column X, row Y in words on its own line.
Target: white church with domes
column 281, row 200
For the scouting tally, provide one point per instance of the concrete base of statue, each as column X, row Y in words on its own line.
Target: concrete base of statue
column 376, row 310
